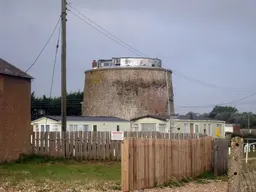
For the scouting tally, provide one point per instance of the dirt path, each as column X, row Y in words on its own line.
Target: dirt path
column 216, row 186
column 213, row 186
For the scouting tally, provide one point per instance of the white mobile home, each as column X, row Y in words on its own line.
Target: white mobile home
column 81, row 123
column 181, row 124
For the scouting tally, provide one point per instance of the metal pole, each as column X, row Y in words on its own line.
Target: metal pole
column 247, row 150
column 249, row 123
column 247, row 145
column 63, row 72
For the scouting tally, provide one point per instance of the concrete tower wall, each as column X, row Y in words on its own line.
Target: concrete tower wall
column 127, row 92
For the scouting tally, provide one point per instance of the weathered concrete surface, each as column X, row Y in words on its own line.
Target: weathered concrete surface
column 127, row 92
column 15, row 128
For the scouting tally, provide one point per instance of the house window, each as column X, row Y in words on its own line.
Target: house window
column 148, row 126
column 209, row 129
column 75, row 128
column 55, row 128
column 47, row 127
column 94, row 127
column 135, row 127
column 186, row 128
column 117, row 128
column 196, row 128
column 42, row 128
column 106, row 64
column 85, row 127
column 37, row 128
column 71, row 127
column 205, row 126
column 162, row 128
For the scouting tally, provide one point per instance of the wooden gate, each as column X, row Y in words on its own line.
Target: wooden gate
column 220, row 156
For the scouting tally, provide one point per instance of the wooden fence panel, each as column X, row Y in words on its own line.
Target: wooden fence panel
column 147, row 162
column 99, row 146
column 220, row 156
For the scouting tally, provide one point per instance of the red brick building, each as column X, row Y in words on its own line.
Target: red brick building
column 15, row 128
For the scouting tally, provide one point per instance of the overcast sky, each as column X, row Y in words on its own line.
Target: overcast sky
column 212, row 41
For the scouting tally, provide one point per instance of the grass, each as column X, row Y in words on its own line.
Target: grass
column 250, row 154
column 47, row 174
column 69, row 173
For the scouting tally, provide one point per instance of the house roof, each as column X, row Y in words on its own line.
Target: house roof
column 8, row 69
column 159, row 117
column 186, row 117
column 181, row 117
column 87, row 118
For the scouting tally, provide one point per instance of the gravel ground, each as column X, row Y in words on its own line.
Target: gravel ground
column 212, row 186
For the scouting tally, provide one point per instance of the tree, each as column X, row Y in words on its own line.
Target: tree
column 232, row 115
column 222, row 109
column 52, row 106
column 193, row 114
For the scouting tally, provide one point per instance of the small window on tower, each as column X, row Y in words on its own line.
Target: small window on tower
column 117, row 128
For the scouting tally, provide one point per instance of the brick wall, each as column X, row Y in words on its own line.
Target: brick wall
column 127, row 93
column 15, row 128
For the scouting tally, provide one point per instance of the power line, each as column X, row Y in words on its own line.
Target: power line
column 40, row 53
column 71, row 2
column 227, row 103
column 54, row 65
column 113, row 39
column 137, row 52
column 207, row 84
column 109, row 33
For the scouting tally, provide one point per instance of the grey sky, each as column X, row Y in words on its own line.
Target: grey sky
column 213, row 41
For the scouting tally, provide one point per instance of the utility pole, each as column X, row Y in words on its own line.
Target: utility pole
column 249, row 123
column 247, row 145
column 63, row 71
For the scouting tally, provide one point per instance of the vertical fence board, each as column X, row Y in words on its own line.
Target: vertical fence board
column 151, row 151
column 125, row 166
column 131, row 163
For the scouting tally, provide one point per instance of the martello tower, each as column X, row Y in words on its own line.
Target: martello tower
column 128, row 87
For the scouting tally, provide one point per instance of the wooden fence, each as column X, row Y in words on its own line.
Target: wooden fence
column 150, row 162
column 89, row 145
column 77, row 145
column 220, row 156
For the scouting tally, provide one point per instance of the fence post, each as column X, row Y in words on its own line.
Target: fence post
column 125, row 165
column 235, row 164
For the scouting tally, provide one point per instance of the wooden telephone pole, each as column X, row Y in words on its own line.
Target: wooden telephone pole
column 63, row 71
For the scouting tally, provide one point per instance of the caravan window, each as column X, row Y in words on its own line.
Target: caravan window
column 42, row 128
column 85, row 127
column 162, row 128
column 94, row 127
column 148, row 126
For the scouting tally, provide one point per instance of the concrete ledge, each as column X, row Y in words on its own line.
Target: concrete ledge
column 129, row 68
